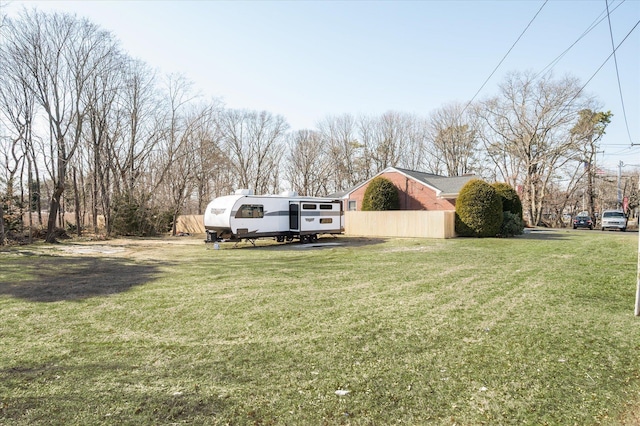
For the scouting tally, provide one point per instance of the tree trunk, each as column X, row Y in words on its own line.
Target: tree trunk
column 76, row 196
column 1, row 224
column 54, row 208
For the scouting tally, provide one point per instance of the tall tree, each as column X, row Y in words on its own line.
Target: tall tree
column 453, row 138
column 339, row 135
column 392, row 139
column 211, row 169
column 60, row 53
column 254, row 143
column 307, row 166
column 102, row 93
column 527, row 128
column 588, row 131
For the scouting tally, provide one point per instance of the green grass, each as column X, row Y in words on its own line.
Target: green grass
column 531, row 330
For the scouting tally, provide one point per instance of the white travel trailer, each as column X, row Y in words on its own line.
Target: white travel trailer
column 283, row 217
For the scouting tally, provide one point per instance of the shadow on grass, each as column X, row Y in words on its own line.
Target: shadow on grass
column 545, row 234
column 52, row 278
column 323, row 242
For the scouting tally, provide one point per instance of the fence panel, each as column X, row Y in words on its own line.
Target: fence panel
column 191, row 224
column 420, row 224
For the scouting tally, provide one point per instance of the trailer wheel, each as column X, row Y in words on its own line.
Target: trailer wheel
column 304, row 239
column 313, row 238
column 280, row 238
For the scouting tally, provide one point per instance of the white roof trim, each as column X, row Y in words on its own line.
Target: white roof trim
column 438, row 192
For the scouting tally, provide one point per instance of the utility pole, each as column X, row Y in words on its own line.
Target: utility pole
column 592, row 171
column 619, row 199
column 620, row 165
column 637, row 311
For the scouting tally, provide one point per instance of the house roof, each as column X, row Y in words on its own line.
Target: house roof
column 444, row 186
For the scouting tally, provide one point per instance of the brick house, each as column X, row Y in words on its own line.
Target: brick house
column 416, row 190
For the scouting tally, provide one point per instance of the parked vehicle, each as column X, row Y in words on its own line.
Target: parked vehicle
column 582, row 221
column 283, row 217
column 613, row 219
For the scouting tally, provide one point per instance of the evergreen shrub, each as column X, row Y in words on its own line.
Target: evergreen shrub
column 510, row 198
column 512, row 224
column 478, row 210
column 381, row 194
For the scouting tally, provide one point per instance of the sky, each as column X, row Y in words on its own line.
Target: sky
column 307, row 60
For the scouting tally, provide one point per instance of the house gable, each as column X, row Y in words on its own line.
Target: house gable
column 416, row 190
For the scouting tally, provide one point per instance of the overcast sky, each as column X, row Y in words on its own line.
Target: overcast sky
column 306, row 60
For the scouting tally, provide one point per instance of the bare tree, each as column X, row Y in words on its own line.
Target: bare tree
column 254, row 143
column 138, row 126
column 185, row 124
column 141, row 119
column 103, row 92
column 212, row 171
column 17, row 116
column 588, row 131
column 346, row 153
column 453, row 139
column 307, row 166
column 60, row 53
column 527, row 128
column 416, row 153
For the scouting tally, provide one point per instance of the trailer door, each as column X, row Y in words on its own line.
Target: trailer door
column 294, row 217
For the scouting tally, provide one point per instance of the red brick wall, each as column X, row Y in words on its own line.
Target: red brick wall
column 413, row 195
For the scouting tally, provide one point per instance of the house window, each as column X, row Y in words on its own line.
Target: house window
column 250, row 211
column 352, row 205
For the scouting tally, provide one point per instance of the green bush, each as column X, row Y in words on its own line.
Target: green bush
column 132, row 218
column 510, row 198
column 381, row 194
column 512, row 224
column 478, row 210
column 12, row 209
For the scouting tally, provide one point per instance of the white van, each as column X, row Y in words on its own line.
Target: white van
column 613, row 219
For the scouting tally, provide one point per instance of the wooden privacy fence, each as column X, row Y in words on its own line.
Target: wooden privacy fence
column 191, row 224
column 418, row 224
column 404, row 223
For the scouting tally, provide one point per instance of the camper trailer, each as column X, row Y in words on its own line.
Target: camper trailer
column 283, row 217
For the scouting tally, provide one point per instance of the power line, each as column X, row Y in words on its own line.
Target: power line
column 608, row 57
column 579, row 91
column 503, row 58
column 604, row 14
column 615, row 60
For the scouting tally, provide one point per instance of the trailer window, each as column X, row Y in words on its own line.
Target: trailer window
column 326, row 206
column 326, row 220
column 250, row 211
column 308, row 206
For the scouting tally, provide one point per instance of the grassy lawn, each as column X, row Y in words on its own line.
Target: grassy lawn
column 531, row 330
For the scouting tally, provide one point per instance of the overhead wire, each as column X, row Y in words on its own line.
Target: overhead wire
column 604, row 14
column 503, row 58
column 615, row 60
column 581, row 89
column 550, row 66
